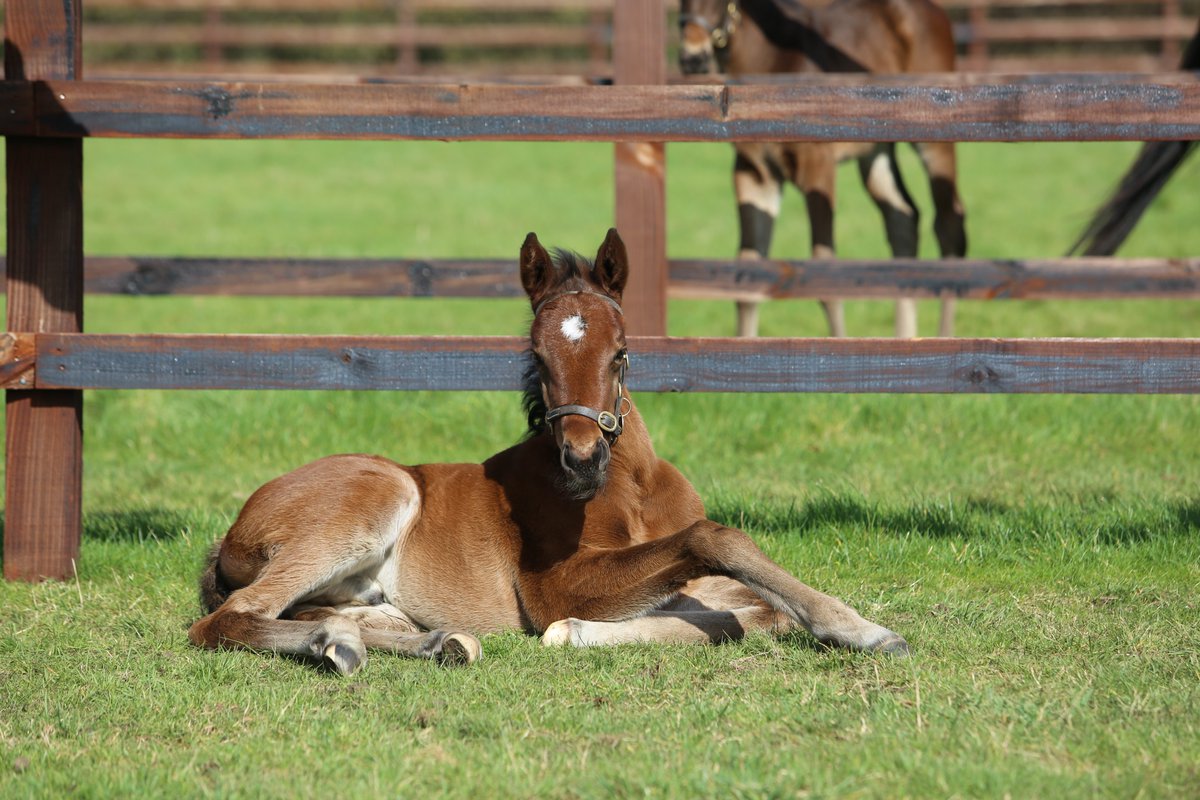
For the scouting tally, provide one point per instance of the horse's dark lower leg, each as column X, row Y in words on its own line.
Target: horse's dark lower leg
column 758, row 185
column 949, row 223
column 901, row 219
column 818, row 200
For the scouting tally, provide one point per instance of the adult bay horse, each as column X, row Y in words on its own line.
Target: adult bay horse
column 742, row 37
column 578, row 533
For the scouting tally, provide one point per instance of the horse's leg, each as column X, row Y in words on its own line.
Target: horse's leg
column 665, row 627
column 949, row 220
column 758, row 187
column 384, row 627
column 708, row 611
column 813, row 169
column 250, row 619
column 627, row 583
column 882, row 178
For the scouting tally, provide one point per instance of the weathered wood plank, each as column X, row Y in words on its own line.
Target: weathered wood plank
column 16, row 106
column 44, row 281
column 825, row 108
column 659, row 364
column 17, row 361
column 312, row 36
column 280, row 362
column 304, row 277
column 639, row 170
column 971, row 279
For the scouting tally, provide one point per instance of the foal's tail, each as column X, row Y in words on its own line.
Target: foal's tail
column 1142, row 182
column 213, row 588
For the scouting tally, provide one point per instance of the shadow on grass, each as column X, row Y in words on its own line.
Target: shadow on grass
column 139, row 525
column 971, row 518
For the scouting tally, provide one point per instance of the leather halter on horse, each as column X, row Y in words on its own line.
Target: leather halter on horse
column 611, row 422
column 721, row 33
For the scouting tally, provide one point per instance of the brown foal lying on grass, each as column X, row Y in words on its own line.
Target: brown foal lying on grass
column 579, row 533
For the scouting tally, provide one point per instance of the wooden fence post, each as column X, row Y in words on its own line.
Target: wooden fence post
column 639, row 57
column 44, row 445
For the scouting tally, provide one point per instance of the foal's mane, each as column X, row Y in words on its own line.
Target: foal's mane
column 573, row 272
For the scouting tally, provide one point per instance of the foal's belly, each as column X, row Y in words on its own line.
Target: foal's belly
column 457, row 569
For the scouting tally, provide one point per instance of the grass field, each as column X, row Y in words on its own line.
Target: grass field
column 1041, row 554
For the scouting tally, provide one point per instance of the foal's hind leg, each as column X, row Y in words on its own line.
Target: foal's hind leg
column 384, row 627
column 334, row 641
column 882, row 178
column 949, row 223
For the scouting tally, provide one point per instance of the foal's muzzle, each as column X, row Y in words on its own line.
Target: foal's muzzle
column 584, row 475
column 697, row 62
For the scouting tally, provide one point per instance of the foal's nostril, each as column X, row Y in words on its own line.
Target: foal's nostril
column 594, row 462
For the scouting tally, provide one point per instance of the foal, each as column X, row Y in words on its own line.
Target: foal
column 882, row 36
column 579, row 533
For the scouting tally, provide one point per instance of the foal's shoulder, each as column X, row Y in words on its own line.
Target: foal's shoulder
column 672, row 497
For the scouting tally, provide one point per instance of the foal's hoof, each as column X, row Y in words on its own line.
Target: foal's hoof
column 893, row 645
column 338, row 646
column 460, row 648
column 341, row 659
column 453, row 649
column 560, row 633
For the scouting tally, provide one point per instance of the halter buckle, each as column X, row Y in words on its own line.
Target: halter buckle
column 607, row 421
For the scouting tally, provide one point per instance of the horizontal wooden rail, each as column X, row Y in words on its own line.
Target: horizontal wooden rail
column 659, row 364
column 973, row 279
column 829, row 108
column 1081, row 29
column 315, row 36
column 368, row 5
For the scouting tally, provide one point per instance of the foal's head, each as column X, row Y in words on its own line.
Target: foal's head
column 578, row 351
column 706, row 28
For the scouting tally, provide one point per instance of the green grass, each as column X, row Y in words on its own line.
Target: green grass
column 1040, row 553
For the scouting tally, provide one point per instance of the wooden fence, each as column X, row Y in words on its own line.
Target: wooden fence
column 46, row 360
column 396, row 38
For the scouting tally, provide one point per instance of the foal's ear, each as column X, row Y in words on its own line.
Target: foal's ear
column 612, row 264
column 537, row 269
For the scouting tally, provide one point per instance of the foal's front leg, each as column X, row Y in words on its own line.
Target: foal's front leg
column 627, row 583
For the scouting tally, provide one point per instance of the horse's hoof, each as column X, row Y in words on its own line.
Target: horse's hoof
column 559, row 633
column 893, row 645
column 341, row 658
column 458, row 649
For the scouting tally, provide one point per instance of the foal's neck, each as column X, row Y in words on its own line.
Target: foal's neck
column 633, row 450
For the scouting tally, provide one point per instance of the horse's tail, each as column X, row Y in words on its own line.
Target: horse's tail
column 1142, row 182
column 213, row 588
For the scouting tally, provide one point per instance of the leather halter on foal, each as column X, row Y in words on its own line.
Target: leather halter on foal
column 719, row 34
column 611, row 422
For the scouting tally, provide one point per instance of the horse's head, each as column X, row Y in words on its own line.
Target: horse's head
column 705, row 30
column 578, row 349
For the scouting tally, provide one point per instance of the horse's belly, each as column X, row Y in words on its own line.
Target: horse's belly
column 457, row 567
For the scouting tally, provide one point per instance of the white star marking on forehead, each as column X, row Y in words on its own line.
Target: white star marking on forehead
column 573, row 327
